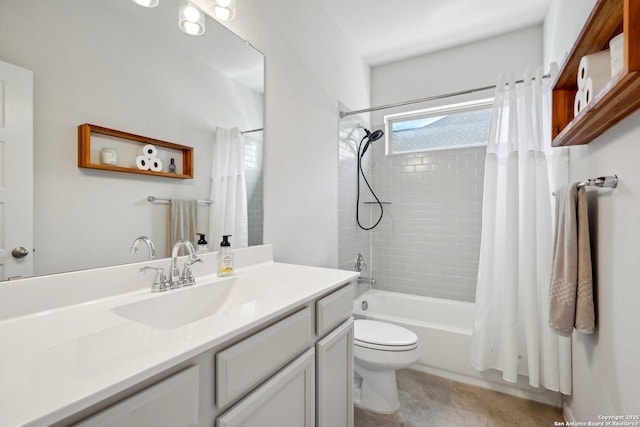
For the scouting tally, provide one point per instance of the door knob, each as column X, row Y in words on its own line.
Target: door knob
column 19, row 252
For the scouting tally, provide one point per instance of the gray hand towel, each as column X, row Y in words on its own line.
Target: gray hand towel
column 585, row 311
column 182, row 221
column 571, row 291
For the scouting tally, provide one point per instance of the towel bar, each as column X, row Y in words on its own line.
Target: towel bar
column 610, row 181
column 153, row 199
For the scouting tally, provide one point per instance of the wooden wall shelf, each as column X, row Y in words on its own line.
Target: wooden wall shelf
column 620, row 97
column 85, row 161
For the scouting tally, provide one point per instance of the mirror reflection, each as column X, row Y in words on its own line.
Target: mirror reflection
column 116, row 64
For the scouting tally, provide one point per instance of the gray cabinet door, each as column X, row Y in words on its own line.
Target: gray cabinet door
column 172, row 402
column 287, row 399
column 334, row 406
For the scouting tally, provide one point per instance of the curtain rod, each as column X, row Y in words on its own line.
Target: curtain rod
column 251, row 131
column 344, row 114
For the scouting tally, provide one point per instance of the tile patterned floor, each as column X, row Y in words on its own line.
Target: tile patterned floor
column 427, row 400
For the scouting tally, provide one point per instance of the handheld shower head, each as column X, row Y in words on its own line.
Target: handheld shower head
column 370, row 137
column 375, row 135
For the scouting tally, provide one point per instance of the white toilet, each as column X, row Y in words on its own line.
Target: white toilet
column 379, row 349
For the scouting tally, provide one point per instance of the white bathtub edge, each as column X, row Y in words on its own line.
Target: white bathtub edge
column 546, row 396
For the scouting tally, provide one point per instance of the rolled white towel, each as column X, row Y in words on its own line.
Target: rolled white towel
column 579, row 103
column 592, row 88
column 150, row 151
column 143, row 163
column 595, row 65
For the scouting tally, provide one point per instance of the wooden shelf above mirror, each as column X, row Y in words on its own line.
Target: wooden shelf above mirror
column 88, row 158
column 620, row 97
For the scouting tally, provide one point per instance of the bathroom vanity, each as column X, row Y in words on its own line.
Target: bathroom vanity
column 270, row 346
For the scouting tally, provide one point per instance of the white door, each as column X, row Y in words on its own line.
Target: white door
column 16, row 171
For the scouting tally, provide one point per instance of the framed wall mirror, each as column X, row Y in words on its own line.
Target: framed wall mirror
column 116, row 64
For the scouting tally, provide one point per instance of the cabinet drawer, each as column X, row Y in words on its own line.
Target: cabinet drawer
column 334, row 309
column 247, row 363
column 172, row 402
column 285, row 400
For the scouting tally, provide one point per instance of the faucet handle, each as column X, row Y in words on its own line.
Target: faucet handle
column 193, row 258
column 160, row 283
column 187, row 278
column 359, row 263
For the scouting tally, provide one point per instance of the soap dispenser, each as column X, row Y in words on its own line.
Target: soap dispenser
column 202, row 243
column 225, row 257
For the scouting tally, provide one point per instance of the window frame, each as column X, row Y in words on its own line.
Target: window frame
column 459, row 107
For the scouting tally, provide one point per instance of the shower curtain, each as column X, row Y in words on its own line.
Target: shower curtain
column 228, row 214
column 521, row 171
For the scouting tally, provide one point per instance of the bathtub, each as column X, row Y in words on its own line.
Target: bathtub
column 444, row 329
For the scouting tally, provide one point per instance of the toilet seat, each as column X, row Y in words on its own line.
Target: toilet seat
column 379, row 347
column 383, row 336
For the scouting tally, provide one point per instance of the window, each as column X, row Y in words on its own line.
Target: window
column 452, row 126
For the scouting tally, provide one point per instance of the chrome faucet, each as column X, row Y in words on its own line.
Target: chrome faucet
column 152, row 248
column 176, row 279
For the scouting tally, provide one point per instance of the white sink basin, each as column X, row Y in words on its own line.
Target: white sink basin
column 179, row 307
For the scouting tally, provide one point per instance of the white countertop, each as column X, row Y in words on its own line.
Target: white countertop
column 55, row 363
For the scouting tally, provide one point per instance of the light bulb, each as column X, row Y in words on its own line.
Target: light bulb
column 221, row 13
column 190, row 18
column 147, row 3
column 191, row 14
column 191, row 28
column 223, row 10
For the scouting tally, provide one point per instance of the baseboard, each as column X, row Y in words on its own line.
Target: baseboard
column 567, row 413
column 544, row 396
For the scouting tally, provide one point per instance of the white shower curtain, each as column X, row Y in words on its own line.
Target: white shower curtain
column 228, row 213
column 510, row 330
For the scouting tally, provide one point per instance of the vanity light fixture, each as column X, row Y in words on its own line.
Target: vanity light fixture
column 223, row 10
column 190, row 18
column 147, row 3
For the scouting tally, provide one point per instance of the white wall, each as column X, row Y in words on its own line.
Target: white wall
column 462, row 68
column 606, row 373
column 91, row 65
column 562, row 26
column 310, row 67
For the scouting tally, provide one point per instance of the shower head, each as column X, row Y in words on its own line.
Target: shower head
column 375, row 135
column 370, row 137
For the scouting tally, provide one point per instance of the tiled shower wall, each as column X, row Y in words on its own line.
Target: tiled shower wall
column 253, row 155
column 351, row 240
column 429, row 239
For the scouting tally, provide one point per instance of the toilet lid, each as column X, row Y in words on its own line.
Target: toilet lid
column 382, row 333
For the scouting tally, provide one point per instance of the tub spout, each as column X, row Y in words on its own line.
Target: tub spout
column 367, row 280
